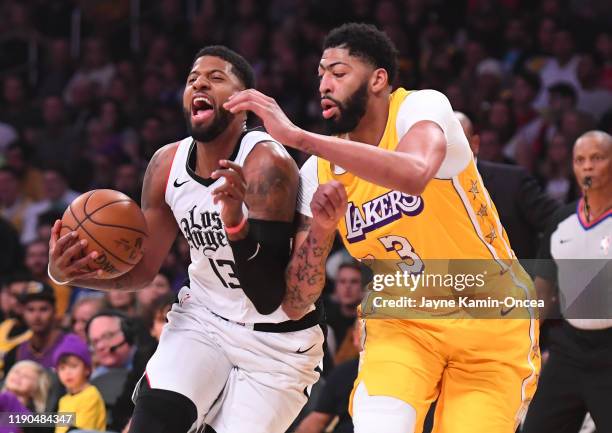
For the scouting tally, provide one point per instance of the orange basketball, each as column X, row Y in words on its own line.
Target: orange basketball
column 113, row 225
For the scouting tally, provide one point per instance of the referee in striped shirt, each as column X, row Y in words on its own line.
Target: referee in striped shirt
column 575, row 267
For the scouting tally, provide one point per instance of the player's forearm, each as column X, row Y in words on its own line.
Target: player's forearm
column 135, row 279
column 395, row 170
column 305, row 275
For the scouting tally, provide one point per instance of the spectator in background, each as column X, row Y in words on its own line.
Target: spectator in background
column 111, row 337
column 11, row 404
column 29, row 382
column 341, row 307
column 96, row 67
column 14, row 206
column 159, row 286
column 491, row 147
column 45, row 222
column 82, row 312
column 11, row 253
column 525, row 88
column 57, row 197
column 19, row 158
column 36, row 261
column 562, row 67
column 15, row 109
column 38, row 303
column 58, row 68
column 603, row 47
column 523, row 208
column 13, row 329
column 556, row 170
column 127, row 180
column 593, row 98
column 121, row 300
column 57, row 139
column 73, row 365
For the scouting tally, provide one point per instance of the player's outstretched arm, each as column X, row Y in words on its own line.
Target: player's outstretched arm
column 314, row 238
column 66, row 260
column 415, row 162
column 261, row 240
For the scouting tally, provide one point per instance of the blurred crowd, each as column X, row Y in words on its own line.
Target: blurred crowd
column 89, row 90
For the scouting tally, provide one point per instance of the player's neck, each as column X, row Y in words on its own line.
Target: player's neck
column 209, row 153
column 372, row 125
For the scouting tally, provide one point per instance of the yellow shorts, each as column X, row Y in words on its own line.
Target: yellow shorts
column 483, row 372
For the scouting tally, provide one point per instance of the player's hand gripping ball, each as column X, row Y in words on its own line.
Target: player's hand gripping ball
column 113, row 225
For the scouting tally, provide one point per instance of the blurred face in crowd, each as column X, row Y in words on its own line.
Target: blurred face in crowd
column 54, row 185
column 546, row 34
column 588, row 71
column 37, row 258
column 500, row 116
column 104, row 334
column 593, row 158
column 490, row 148
column 72, row 372
column 81, row 314
column 39, row 316
column 558, row 150
column 11, row 306
column 343, row 88
column 126, row 178
column 120, row 299
column 522, row 92
column 22, row 380
column 348, row 288
column 210, row 83
column 13, row 91
column 159, row 320
column 53, row 111
column 563, row 45
column 9, row 188
column 159, row 286
column 95, row 53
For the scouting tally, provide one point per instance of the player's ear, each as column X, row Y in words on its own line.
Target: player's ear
column 379, row 80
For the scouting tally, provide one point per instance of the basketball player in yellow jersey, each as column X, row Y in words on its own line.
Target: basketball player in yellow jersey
column 414, row 194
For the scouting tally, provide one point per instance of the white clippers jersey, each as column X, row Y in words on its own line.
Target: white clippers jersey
column 213, row 280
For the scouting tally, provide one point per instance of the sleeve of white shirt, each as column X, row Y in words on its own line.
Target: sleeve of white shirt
column 434, row 106
column 308, row 185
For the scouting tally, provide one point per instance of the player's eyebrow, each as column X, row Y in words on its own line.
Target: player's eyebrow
column 331, row 65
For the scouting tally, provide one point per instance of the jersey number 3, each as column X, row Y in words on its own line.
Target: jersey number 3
column 411, row 262
column 225, row 270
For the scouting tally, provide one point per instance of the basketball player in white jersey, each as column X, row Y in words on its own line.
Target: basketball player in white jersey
column 230, row 356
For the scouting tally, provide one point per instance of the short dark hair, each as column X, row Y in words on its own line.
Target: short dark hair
column 565, row 90
column 368, row 43
column 240, row 67
column 532, row 79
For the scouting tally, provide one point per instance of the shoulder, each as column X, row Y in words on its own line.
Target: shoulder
column 426, row 95
column 563, row 213
column 271, row 158
column 164, row 156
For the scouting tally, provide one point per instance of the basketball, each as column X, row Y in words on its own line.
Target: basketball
column 113, row 225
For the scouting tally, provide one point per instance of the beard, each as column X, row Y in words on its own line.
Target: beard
column 350, row 112
column 221, row 120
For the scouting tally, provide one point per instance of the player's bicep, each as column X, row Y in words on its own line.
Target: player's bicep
column 160, row 221
column 272, row 183
column 425, row 140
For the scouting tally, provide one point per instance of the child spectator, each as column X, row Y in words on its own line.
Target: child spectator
column 29, row 382
column 73, row 364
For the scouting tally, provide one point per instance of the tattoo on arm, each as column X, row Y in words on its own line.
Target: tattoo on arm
column 272, row 183
column 147, row 183
column 305, row 274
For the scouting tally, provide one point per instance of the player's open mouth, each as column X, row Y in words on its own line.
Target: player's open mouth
column 201, row 109
column 329, row 108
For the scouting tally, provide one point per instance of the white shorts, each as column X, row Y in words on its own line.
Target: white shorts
column 241, row 380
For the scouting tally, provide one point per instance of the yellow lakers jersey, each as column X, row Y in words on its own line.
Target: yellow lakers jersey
column 454, row 218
